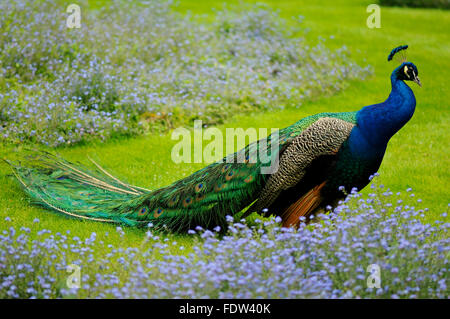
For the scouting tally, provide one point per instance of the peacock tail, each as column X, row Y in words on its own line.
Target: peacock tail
column 73, row 189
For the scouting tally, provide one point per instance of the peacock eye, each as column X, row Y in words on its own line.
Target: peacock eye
column 408, row 72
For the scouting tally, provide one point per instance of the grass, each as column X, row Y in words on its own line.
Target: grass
column 417, row 157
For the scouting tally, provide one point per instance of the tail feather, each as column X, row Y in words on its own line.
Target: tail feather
column 203, row 198
column 75, row 190
column 133, row 188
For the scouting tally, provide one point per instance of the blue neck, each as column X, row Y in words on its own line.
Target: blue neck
column 379, row 122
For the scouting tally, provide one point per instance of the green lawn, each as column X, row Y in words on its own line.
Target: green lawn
column 417, row 157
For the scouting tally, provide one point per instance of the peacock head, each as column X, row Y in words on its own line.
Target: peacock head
column 407, row 71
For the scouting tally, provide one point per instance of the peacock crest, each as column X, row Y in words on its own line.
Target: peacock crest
column 401, row 57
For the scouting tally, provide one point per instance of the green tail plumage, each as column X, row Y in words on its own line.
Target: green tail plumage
column 203, row 198
column 75, row 190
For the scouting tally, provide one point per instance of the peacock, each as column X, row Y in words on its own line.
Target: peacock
column 320, row 158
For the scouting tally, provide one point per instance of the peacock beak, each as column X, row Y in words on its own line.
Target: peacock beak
column 416, row 80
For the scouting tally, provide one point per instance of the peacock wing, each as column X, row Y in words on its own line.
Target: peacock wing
column 323, row 137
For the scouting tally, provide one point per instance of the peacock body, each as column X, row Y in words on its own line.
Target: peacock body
column 318, row 155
